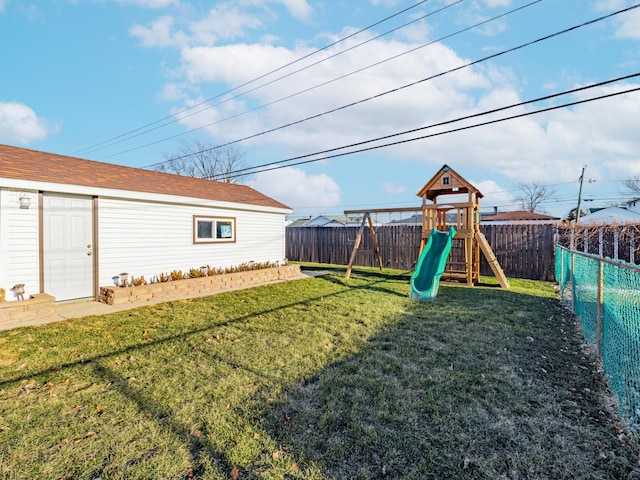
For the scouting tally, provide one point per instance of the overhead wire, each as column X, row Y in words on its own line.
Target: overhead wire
column 306, row 90
column 420, row 81
column 175, row 118
column 250, row 170
column 468, row 127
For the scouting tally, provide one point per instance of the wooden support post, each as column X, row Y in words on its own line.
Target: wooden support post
column 355, row 246
column 600, row 314
column 376, row 250
column 492, row 260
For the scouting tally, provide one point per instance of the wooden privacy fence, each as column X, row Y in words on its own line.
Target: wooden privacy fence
column 524, row 251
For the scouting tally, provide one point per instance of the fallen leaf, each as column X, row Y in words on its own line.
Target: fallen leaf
column 196, row 433
column 234, row 474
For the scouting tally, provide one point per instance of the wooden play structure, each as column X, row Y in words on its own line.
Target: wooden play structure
column 464, row 215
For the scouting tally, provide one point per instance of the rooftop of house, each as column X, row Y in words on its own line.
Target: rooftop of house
column 32, row 165
column 610, row 215
column 518, row 216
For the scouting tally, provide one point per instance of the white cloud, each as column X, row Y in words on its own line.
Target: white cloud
column 629, row 25
column 393, row 189
column 159, row 34
column 429, row 101
column 150, row 3
column 497, row 3
column 298, row 189
column 494, row 195
column 20, row 124
column 298, row 8
column 225, row 21
column 233, row 64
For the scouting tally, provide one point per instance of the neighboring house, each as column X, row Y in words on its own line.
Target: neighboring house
column 415, row 219
column 329, row 221
column 326, row 221
column 633, row 205
column 519, row 216
column 296, row 223
column 69, row 226
column 611, row 215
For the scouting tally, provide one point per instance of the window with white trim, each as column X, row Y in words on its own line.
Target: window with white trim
column 214, row 229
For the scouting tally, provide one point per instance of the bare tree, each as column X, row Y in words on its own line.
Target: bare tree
column 632, row 185
column 197, row 159
column 533, row 194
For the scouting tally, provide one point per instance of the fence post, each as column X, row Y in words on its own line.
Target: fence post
column 600, row 243
column 573, row 282
column 600, row 310
column 586, row 241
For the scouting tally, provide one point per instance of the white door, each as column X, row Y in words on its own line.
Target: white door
column 68, row 246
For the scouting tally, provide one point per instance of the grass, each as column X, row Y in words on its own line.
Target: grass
column 316, row 379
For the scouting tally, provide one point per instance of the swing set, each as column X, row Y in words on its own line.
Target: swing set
column 463, row 263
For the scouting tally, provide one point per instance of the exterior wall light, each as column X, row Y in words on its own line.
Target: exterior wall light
column 25, row 201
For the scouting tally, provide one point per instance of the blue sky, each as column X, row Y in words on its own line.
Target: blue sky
column 78, row 74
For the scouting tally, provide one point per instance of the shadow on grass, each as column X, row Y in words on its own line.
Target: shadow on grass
column 482, row 383
column 499, row 389
column 203, row 454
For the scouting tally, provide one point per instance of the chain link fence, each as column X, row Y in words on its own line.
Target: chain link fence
column 605, row 296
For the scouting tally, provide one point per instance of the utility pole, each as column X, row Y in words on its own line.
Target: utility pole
column 580, row 196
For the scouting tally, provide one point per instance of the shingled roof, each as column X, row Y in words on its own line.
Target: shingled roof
column 24, row 164
column 519, row 215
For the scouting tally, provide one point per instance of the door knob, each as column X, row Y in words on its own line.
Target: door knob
column 89, row 253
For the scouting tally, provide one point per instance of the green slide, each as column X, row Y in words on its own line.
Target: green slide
column 426, row 279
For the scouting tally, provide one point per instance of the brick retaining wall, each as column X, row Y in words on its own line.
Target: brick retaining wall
column 39, row 305
column 196, row 286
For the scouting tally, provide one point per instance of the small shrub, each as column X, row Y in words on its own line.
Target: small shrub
column 137, row 281
column 177, row 275
column 163, row 277
column 195, row 273
column 211, row 271
column 3, row 294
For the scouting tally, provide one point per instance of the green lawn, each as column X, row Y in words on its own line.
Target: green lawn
column 320, row 379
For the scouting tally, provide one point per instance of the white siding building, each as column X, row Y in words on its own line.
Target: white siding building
column 69, row 226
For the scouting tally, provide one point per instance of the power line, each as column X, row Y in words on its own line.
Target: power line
column 175, row 118
column 259, row 169
column 431, row 77
column 439, row 124
column 306, row 90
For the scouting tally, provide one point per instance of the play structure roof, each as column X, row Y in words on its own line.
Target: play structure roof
column 447, row 182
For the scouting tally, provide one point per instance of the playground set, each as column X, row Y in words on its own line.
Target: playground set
column 451, row 241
